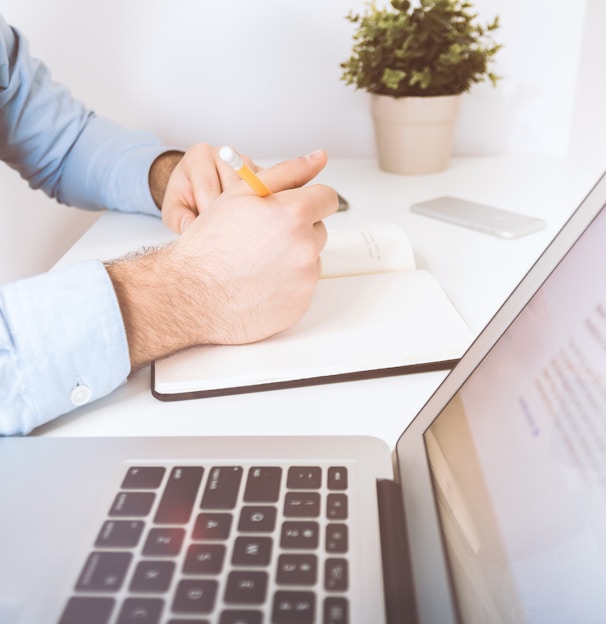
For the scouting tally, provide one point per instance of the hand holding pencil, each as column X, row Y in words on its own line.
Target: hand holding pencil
column 230, row 157
column 248, row 266
column 244, row 268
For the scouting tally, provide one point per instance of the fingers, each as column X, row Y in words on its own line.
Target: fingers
column 198, row 179
column 201, row 176
column 178, row 217
column 207, row 173
column 313, row 203
column 286, row 180
column 294, row 173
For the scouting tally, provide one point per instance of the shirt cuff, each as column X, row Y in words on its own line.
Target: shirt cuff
column 62, row 344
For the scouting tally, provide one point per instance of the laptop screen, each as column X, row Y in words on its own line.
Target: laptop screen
column 518, row 457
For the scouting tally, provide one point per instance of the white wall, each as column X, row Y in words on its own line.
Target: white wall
column 588, row 129
column 264, row 76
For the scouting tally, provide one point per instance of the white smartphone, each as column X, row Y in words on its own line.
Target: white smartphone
column 487, row 219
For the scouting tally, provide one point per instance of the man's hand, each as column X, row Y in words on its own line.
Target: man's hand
column 245, row 269
column 182, row 185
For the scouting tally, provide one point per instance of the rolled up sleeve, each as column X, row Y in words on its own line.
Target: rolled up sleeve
column 108, row 167
column 62, row 344
column 63, row 148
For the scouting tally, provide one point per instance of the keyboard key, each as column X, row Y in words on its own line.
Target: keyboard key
column 337, row 478
column 302, row 505
column 232, row 616
column 336, row 576
column 152, row 576
column 263, row 484
column 188, row 621
column 104, row 571
column 336, row 538
column 297, row 569
column 246, row 587
column 252, row 551
column 195, row 596
column 179, row 495
column 336, row 506
column 141, row 611
column 304, row 478
column 336, row 611
column 163, row 542
column 294, row 607
column 204, row 559
column 133, row 504
column 212, row 526
column 119, row 534
column 299, row 535
column 222, row 488
column 87, row 609
column 143, row 478
column 259, row 519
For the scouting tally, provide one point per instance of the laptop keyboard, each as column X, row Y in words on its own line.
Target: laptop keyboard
column 221, row 544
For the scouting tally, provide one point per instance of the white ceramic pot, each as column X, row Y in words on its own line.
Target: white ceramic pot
column 414, row 135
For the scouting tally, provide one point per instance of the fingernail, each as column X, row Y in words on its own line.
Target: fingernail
column 315, row 155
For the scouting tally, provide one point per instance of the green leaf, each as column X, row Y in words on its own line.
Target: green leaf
column 392, row 78
column 436, row 48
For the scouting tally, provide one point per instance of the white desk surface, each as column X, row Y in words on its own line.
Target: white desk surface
column 476, row 270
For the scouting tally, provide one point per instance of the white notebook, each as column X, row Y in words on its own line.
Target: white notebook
column 372, row 314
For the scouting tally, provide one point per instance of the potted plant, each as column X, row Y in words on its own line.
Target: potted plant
column 416, row 61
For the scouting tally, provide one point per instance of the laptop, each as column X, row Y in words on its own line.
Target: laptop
column 490, row 509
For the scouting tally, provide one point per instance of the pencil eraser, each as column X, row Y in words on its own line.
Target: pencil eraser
column 230, row 157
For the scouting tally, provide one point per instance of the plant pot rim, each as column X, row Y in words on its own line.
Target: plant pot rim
column 427, row 109
column 416, row 97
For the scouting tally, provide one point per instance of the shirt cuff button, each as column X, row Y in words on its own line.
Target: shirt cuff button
column 80, row 395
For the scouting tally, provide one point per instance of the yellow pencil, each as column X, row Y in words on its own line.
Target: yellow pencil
column 234, row 160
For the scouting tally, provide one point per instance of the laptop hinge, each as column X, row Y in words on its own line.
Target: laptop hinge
column 400, row 605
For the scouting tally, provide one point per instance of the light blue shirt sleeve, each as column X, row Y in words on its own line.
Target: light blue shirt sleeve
column 62, row 344
column 63, row 148
column 62, row 337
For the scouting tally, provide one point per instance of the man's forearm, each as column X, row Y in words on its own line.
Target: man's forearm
column 153, row 297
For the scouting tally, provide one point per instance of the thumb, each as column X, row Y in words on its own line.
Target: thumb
column 294, row 173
